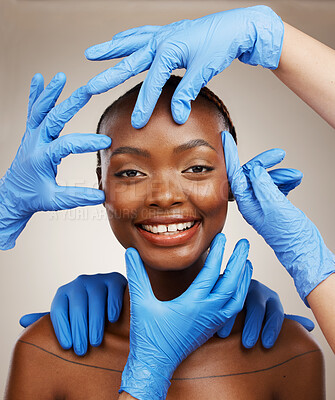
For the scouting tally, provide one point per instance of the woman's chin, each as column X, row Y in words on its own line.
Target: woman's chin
column 172, row 261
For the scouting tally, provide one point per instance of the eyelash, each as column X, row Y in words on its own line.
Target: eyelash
column 120, row 174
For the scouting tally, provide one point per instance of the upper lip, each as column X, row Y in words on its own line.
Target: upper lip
column 166, row 220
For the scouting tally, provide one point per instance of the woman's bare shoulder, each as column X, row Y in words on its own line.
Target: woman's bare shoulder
column 301, row 374
column 229, row 368
column 41, row 368
column 40, row 333
column 32, row 371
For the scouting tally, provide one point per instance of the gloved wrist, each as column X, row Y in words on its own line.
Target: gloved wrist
column 145, row 382
column 12, row 222
column 311, row 263
column 268, row 38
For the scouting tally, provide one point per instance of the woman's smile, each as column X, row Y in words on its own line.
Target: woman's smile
column 166, row 185
column 168, row 231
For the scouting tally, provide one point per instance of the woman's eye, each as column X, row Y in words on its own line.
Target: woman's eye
column 199, row 169
column 129, row 173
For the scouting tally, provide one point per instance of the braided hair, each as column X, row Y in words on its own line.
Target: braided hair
column 173, row 82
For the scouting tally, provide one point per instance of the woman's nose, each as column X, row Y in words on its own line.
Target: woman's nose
column 165, row 192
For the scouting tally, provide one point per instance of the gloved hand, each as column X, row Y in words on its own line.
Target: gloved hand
column 88, row 295
column 29, row 185
column 295, row 240
column 262, row 306
column 163, row 333
column 204, row 47
column 78, row 308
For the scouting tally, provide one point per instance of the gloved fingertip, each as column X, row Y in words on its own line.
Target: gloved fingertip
column 60, row 77
column 223, row 333
column 113, row 315
column 96, row 341
column 282, row 153
column 270, row 335
column 38, row 77
column 23, row 322
column 89, row 53
column 80, row 342
column 131, row 258
column 180, row 111
column 219, row 240
column 80, row 349
column 250, row 333
column 248, row 343
column 96, row 52
column 223, row 136
column 305, row 322
column 106, row 141
column 244, row 245
column 66, row 345
column 137, row 120
column 269, row 340
column 64, row 340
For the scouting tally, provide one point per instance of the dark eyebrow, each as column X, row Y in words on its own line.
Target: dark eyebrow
column 144, row 153
column 191, row 144
column 131, row 150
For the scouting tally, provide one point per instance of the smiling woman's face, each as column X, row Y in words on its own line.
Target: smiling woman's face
column 166, row 185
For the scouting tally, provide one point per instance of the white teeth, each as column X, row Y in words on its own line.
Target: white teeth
column 172, row 228
column 162, row 228
column 168, row 228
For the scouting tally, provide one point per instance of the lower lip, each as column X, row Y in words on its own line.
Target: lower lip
column 169, row 240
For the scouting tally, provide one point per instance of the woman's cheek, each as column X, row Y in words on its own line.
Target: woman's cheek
column 211, row 196
column 123, row 200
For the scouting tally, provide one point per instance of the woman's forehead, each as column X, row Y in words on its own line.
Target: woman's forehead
column 203, row 123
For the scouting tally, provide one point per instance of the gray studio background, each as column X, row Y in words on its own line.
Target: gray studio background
column 51, row 36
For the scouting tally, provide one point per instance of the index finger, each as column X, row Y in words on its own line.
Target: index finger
column 63, row 112
column 122, row 44
column 208, row 276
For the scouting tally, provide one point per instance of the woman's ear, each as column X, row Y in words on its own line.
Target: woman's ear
column 98, row 172
column 230, row 194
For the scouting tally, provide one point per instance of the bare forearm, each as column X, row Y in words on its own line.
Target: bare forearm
column 307, row 67
column 322, row 303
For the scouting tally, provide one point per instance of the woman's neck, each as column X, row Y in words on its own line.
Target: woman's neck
column 166, row 286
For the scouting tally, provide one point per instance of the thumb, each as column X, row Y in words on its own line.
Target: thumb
column 236, row 178
column 138, row 280
column 264, row 188
column 29, row 319
column 305, row 322
column 227, row 328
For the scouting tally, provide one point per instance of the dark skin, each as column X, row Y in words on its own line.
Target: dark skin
column 166, row 184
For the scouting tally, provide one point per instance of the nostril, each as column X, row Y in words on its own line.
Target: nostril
column 177, row 203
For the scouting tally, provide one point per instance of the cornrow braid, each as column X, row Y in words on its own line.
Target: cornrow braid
column 174, row 81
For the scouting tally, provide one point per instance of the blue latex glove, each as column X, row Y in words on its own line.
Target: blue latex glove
column 88, row 295
column 262, row 306
column 204, row 47
column 29, row 185
column 164, row 333
column 79, row 309
column 295, row 240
